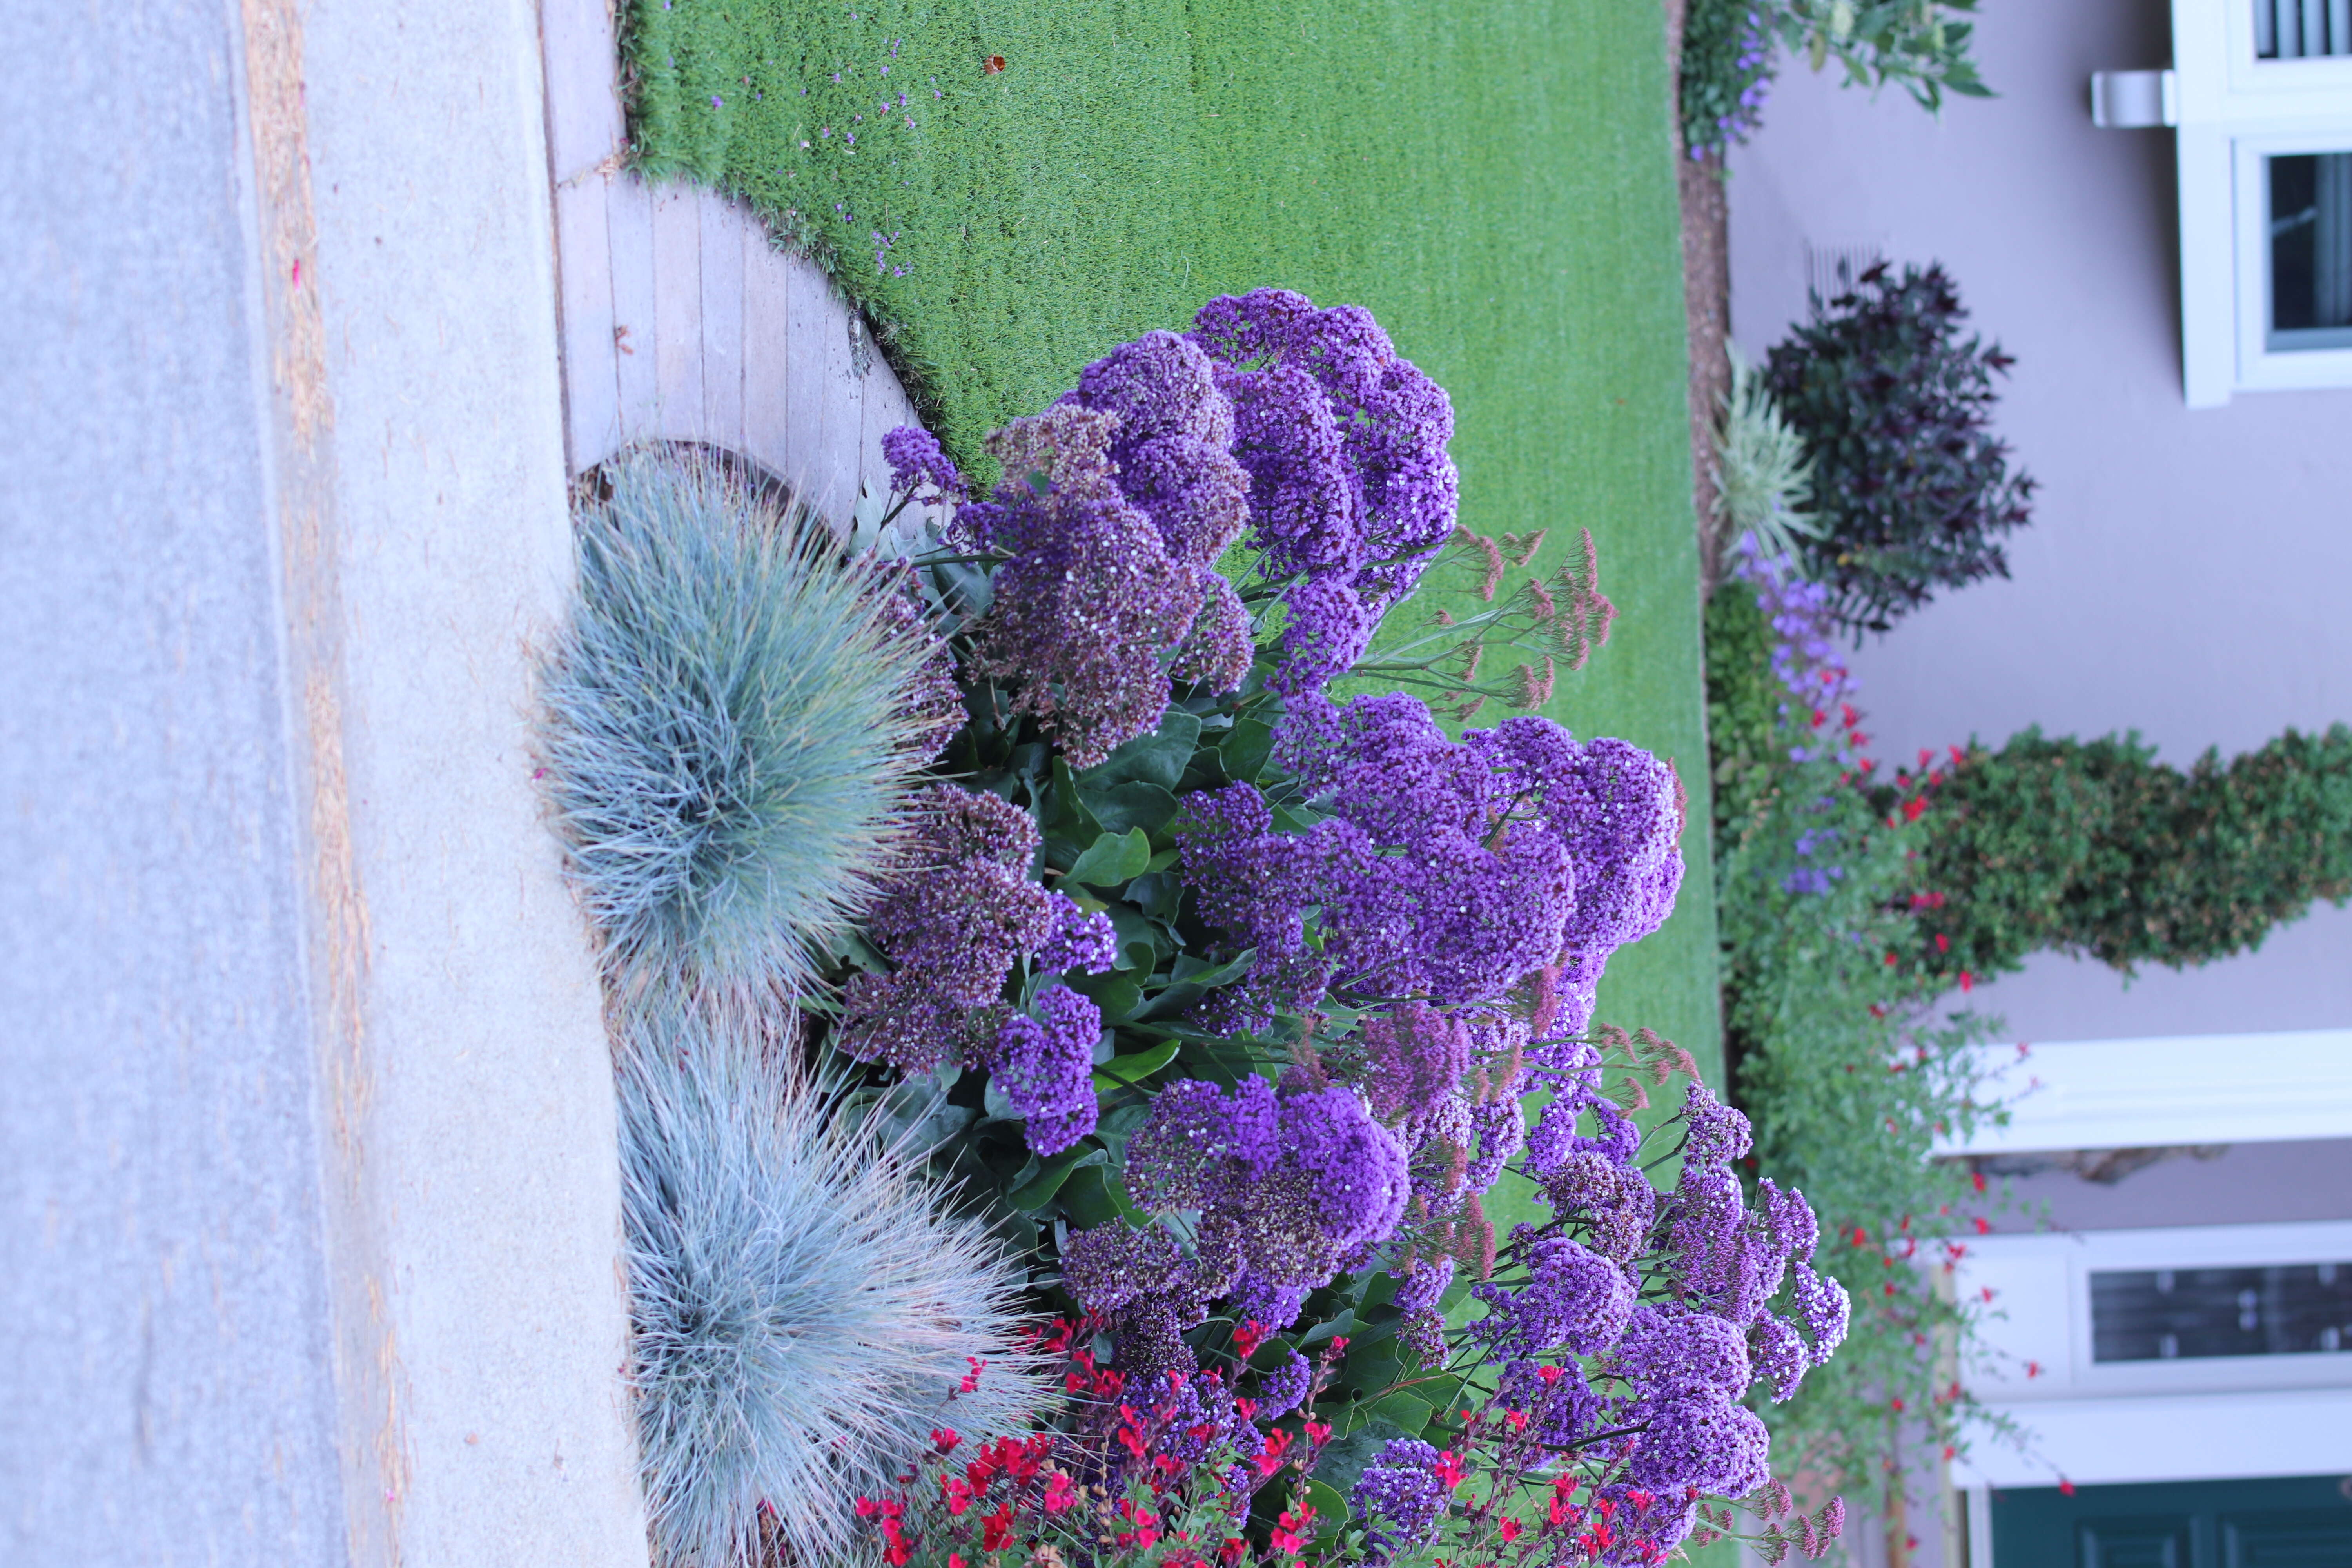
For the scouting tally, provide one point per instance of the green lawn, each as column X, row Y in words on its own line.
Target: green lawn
column 1495, row 182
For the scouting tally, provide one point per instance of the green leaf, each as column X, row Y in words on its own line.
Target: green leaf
column 1406, row 1411
column 1245, row 750
column 1331, row 1510
column 1113, row 859
column 1120, row 1071
column 1065, row 815
column 1091, row 1198
column 1159, row 758
column 1039, row 1190
column 1117, row 995
column 1130, row 806
column 1343, row 1459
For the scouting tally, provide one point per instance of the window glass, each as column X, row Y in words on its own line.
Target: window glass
column 2165, row 1314
column 2310, row 214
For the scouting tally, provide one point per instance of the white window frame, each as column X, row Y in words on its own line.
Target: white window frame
column 2235, row 109
column 2205, row 1419
column 2261, row 368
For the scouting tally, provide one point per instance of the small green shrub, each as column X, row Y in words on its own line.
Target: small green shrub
column 1911, row 491
column 2095, row 848
column 1761, row 474
column 727, row 728
column 1726, row 65
column 804, row 1308
column 1743, row 704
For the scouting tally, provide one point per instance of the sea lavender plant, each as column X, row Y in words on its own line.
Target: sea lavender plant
column 731, row 719
column 803, row 1303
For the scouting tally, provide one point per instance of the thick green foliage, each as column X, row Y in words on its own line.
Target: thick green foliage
column 1743, row 708
column 2095, row 848
column 1910, row 488
column 1726, row 65
column 1848, row 1078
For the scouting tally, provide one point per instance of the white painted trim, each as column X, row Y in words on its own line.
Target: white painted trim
column 2180, row 1090
column 1979, row 1502
column 2036, row 1332
column 2197, row 1437
column 2208, row 338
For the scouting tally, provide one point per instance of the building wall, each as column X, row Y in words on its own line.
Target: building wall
column 2184, row 573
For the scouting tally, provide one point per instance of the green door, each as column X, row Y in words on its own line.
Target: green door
column 2299, row 1521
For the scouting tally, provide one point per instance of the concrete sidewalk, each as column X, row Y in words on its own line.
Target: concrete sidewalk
column 309, row 1210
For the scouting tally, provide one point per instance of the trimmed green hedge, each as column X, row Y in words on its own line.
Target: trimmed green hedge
column 2095, row 848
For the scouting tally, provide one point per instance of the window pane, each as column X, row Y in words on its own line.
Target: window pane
column 2169, row 1314
column 2310, row 215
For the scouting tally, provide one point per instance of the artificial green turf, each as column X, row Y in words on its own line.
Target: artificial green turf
column 1495, row 181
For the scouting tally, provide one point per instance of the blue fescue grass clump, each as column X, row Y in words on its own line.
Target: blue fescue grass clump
column 806, row 1309
column 727, row 733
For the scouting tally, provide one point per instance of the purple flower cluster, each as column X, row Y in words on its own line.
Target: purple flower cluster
column 1702, row 1441
column 1417, row 1296
column 1470, row 864
column 957, row 914
column 1289, row 1188
column 1089, row 599
column 932, row 703
column 1808, row 659
column 1400, row 1494
column 1573, row 1298
column 918, row 463
column 1045, row 1067
column 1352, row 493
column 1451, row 870
column 1115, row 505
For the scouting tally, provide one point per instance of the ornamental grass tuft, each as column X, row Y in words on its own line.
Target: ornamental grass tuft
column 729, row 730
column 807, row 1314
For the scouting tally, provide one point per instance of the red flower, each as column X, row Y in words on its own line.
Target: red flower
column 1318, row 1433
column 1913, row 809
column 1978, row 1178
column 944, row 1439
column 1289, row 1535
column 1248, row 1335
column 1984, row 1226
column 1060, row 1494
column 1968, row 981
column 1269, row 1458
column 2065, row 1487
column 1450, row 1471
column 1510, row 1529
column 996, row 1530
column 972, row 1379
column 1551, row 1374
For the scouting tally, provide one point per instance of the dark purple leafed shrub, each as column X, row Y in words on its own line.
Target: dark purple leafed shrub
column 1911, row 489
